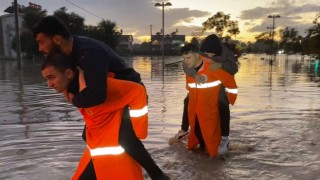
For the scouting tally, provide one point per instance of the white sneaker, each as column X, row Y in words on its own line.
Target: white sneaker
column 224, row 144
column 180, row 136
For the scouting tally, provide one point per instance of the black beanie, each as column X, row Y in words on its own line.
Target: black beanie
column 211, row 44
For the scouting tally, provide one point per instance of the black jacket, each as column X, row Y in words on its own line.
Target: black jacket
column 96, row 59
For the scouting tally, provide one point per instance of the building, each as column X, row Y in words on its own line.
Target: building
column 125, row 44
column 8, row 31
column 172, row 43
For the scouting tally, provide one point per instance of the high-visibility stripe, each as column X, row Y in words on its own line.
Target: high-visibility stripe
column 233, row 91
column 139, row 112
column 106, row 151
column 204, row 85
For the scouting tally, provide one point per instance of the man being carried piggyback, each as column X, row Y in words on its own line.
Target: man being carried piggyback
column 203, row 104
column 225, row 59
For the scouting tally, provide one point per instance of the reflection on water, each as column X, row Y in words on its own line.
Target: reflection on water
column 275, row 127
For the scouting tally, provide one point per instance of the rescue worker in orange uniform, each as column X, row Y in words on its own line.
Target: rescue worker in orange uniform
column 96, row 59
column 203, row 110
column 104, row 158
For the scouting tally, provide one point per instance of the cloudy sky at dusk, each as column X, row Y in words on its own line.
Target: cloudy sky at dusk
column 136, row 16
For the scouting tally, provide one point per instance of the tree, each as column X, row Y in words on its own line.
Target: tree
column 195, row 40
column 315, row 30
column 233, row 29
column 311, row 46
column 263, row 43
column 106, row 31
column 221, row 23
column 263, row 37
column 311, row 43
column 29, row 46
column 74, row 22
column 289, row 40
column 31, row 16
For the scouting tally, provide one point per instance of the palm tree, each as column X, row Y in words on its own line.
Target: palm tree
column 233, row 29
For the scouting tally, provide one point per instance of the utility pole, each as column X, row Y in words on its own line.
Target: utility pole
column 151, row 40
column 162, row 30
column 272, row 36
column 18, row 49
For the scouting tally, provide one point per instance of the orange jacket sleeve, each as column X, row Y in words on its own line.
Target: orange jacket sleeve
column 230, row 84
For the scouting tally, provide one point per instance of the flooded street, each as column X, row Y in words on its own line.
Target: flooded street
column 275, row 123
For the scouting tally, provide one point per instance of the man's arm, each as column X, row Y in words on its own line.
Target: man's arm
column 95, row 73
column 229, row 83
column 227, row 61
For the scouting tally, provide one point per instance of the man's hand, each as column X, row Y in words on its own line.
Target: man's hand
column 82, row 82
column 214, row 66
column 199, row 79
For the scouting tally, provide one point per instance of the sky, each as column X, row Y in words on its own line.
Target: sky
column 140, row 18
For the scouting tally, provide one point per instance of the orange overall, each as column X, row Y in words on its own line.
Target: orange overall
column 204, row 106
column 102, row 133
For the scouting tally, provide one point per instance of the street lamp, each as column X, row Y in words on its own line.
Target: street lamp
column 162, row 42
column 271, row 42
column 274, row 16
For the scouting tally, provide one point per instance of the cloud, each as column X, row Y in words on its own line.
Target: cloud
column 292, row 14
column 136, row 16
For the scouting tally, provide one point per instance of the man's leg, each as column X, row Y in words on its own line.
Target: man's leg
column 224, row 110
column 88, row 173
column 197, row 131
column 134, row 147
column 185, row 119
column 183, row 132
column 84, row 133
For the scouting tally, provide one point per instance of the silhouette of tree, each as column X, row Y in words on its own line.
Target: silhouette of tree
column 31, row 16
column 289, row 40
column 106, row 31
column 315, row 30
column 74, row 22
column 29, row 47
column 195, row 40
column 233, row 29
column 311, row 43
column 221, row 23
column 263, row 43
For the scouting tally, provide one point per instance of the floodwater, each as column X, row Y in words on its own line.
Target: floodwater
column 275, row 125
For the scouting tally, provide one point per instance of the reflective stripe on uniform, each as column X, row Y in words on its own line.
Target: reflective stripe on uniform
column 204, row 85
column 139, row 112
column 233, row 91
column 116, row 150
